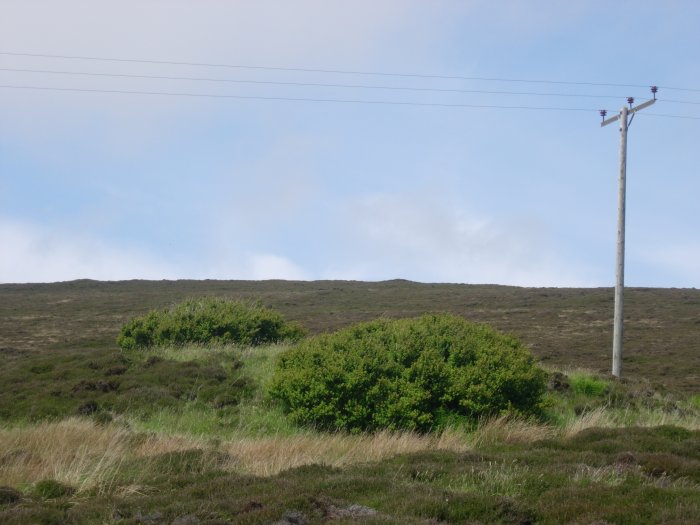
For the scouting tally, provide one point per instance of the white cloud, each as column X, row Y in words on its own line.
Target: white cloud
column 33, row 253
column 426, row 240
column 274, row 267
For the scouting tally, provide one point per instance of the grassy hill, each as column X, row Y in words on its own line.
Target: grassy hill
column 563, row 327
column 188, row 436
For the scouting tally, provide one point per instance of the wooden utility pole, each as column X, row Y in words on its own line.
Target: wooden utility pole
column 625, row 117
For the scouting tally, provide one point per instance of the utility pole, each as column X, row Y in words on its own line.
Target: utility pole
column 625, row 117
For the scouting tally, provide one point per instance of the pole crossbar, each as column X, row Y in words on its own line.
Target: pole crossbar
column 629, row 112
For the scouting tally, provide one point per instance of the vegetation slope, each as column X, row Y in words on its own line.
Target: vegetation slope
column 187, row 434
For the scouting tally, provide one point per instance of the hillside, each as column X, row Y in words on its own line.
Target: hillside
column 563, row 327
column 189, row 435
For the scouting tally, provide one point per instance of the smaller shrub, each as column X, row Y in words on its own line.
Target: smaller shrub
column 587, row 385
column 208, row 321
column 52, row 489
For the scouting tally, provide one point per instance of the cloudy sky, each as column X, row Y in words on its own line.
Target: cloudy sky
column 99, row 180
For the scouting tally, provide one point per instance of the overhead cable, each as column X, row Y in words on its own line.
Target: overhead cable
column 293, row 99
column 337, row 71
column 310, row 84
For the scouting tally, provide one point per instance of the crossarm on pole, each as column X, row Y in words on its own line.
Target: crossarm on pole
column 631, row 111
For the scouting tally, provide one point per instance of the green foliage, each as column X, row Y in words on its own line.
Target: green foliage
column 51, row 489
column 208, row 321
column 587, row 385
column 416, row 374
column 694, row 401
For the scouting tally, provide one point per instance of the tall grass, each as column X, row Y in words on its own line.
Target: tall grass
column 90, row 457
column 269, row 456
column 87, row 456
column 256, row 438
column 507, row 429
column 73, row 451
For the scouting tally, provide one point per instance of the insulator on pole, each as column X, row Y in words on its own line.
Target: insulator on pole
column 603, row 112
column 654, row 89
column 630, row 101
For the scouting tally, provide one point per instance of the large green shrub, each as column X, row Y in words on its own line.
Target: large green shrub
column 416, row 374
column 208, row 320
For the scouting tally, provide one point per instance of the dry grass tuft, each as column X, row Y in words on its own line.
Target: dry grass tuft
column 89, row 457
column 72, row 451
column 268, row 456
column 509, row 429
column 598, row 417
column 157, row 444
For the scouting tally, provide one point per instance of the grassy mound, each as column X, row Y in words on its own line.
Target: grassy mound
column 206, row 321
column 97, row 385
column 415, row 374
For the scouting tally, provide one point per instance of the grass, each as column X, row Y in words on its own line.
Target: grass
column 587, row 385
column 114, row 383
column 73, row 451
column 256, row 427
column 253, row 415
column 694, row 401
column 406, row 478
column 623, row 452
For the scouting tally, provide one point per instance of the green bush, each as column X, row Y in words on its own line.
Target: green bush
column 208, row 321
column 51, row 489
column 587, row 385
column 416, row 374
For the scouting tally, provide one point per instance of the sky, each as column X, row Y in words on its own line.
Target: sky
column 110, row 183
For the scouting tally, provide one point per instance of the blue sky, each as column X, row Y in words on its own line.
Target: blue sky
column 119, row 186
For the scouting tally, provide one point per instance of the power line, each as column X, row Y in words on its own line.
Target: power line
column 316, row 84
column 321, row 100
column 337, row 71
column 671, row 116
column 681, row 101
column 294, row 99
